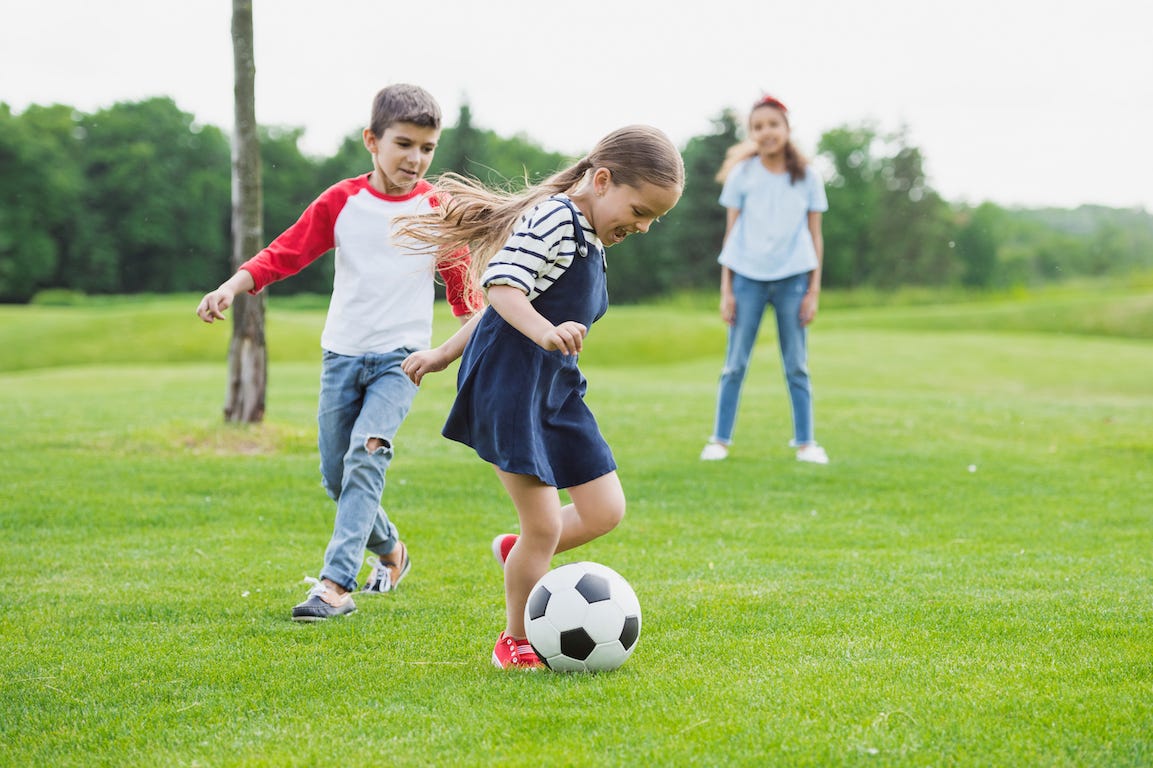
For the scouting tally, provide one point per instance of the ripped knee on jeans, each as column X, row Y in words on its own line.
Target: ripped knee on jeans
column 375, row 444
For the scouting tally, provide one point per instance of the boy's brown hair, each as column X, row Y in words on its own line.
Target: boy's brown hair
column 403, row 103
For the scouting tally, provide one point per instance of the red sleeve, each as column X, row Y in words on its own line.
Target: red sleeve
column 301, row 244
column 462, row 295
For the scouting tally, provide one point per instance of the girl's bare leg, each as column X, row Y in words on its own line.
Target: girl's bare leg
column 597, row 507
column 547, row 528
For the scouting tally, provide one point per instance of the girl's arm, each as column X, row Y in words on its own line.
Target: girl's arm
column 812, row 297
column 513, row 305
column 728, row 301
column 416, row 365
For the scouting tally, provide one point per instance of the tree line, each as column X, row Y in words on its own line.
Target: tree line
column 135, row 198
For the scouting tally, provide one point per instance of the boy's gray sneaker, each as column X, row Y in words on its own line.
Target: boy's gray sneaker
column 386, row 574
column 323, row 603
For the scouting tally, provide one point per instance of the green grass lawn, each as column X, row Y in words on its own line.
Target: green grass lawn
column 969, row 582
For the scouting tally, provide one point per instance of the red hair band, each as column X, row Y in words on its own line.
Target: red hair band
column 771, row 101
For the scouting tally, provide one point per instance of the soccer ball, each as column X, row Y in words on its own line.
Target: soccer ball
column 582, row 617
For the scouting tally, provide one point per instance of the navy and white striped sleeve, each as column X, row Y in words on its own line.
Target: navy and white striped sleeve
column 540, row 250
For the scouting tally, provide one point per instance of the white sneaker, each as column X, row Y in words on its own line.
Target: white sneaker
column 714, row 452
column 813, row 454
column 386, row 574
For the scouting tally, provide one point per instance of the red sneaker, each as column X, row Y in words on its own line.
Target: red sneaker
column 502, row 545
column 511, row 653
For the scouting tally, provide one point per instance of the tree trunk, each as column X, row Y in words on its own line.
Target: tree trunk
column 247, row 353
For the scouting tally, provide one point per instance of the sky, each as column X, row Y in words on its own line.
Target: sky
column 1019, row 102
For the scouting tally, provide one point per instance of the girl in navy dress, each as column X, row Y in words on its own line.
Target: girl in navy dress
column 539, row 255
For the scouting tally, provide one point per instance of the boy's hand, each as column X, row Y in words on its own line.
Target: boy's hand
column 568, row 337
column 212, row 306
column 416, row 365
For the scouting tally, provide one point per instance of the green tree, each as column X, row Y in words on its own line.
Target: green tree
column 350, row 159
column 290, row 181
column 493, row 159
column 976, row 243
column 1112, row 250
column 886, row 226
column 913, row 227
column 40, row 198
column 854, row 199
column 460, row 148
column 696, row 227
column 680, row 251
column 156, row 185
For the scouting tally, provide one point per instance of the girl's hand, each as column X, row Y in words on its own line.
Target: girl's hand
column 416, row 365
column 809, row 307
column 728, row 308
column 568, row 337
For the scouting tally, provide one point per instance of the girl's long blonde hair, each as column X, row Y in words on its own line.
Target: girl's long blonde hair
column 472, row 215
column 795, row 162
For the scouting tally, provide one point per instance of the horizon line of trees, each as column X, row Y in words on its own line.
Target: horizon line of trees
column 136, row 198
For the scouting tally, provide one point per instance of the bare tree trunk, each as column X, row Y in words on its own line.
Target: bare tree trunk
column 247, row 353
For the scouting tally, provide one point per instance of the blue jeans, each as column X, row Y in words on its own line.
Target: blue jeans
column 752, row 297
column 360, row 398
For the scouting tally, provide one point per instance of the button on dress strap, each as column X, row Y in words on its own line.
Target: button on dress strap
column 583, row 245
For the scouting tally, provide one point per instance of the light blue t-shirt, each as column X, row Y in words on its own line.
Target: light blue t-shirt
column 770, row 239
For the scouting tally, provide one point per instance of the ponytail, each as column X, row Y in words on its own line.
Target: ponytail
column 473, row 221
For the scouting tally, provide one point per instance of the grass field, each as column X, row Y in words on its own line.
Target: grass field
column 968, row 583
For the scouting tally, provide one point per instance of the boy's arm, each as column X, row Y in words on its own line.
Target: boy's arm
column 298, row 246
column 462, row 295
column 309, row 238
column 416, row 365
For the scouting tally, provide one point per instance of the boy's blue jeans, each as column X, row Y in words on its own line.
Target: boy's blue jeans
column 752, row 297
column 360, row 398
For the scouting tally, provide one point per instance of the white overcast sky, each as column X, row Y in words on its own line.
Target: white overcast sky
column 1020, row 102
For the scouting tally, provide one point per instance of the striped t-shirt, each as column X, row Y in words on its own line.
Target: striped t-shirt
column 540, row 249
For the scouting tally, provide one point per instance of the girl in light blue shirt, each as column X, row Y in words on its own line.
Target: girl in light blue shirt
column 771, row 254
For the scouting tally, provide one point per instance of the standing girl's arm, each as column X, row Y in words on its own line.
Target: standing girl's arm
column 728, row 301
column 513, row 305
column 812, row 297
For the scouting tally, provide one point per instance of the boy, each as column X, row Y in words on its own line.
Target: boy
column 380, row 312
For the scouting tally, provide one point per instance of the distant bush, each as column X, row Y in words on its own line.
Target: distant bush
column 59, row 297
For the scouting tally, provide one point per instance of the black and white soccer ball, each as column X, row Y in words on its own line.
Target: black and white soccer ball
column 583, row 617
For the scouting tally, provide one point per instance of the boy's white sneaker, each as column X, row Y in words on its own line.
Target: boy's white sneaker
column 812, row 453
column 386, row 574
column 714, row 452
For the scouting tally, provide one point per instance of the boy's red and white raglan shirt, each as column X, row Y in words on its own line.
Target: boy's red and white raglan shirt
column 382, row 291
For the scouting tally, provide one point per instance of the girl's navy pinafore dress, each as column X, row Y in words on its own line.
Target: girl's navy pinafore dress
column 521, row 407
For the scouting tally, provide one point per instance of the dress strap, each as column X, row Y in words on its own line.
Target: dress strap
column 583, row 244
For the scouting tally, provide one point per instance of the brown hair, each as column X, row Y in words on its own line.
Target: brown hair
column 403, row 103
column 482, row 219
column 795, row 162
